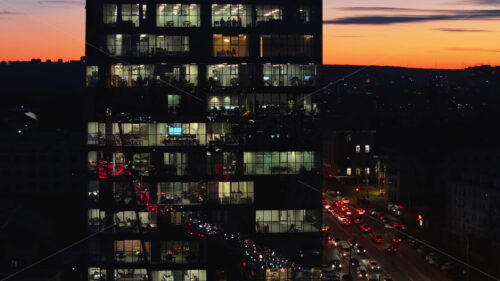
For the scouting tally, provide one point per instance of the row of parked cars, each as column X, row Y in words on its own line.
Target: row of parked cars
column 442, row 262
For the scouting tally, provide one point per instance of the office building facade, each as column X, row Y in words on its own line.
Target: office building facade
column 203, row 113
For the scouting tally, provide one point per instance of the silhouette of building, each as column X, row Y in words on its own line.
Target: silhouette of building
column 349, row 155
column 199, row 113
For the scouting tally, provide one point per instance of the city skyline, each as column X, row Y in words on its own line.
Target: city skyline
column 425, row 34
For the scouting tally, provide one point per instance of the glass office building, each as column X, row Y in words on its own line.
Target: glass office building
column 201, row 111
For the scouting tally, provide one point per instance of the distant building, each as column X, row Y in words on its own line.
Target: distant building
column 42, row 178
column 349, row 155
column 472, row 218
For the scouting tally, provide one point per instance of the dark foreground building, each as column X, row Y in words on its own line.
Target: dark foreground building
column 203, row 139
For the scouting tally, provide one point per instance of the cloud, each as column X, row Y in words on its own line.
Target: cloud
column 393, row 19
column 389, row 9
column 462, row 30
column 61, row 3
column 8, row 13
column 473, row 50
column 480, row 2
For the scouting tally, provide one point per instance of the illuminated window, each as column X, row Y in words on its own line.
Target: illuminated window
column 286, row 75
column 231, row 15
column 358, row 172
column 181, row 193
column 131, row 274
column 179, row 275
column 280, row 221
column 177, row 15
column 291, row 162
column 180, row 75
column 269, row 14
column 358, row 148
column 231, row 192
column 286, row 45
column 348, row 172
column 130, row 14
column 146, row 45
column 92, row 76
column 175, row 163
column 110, row 14
column 367, row 171
column 130, row 75
column 181, row 134
column 230, row 46
column 367, row 148
column 96, row 219
column 305, row 14
column 96, row 273
column 179, row 252
column 172, row 45
column 119, row 44
column 127, row 220
column 132, row 250
column 223, row 74
column 141, row 163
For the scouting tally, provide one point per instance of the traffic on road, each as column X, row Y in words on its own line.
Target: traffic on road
column 370, row 244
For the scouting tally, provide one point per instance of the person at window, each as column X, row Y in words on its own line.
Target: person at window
column 233, row 52
column 228, row 21
column 222, row 22
column 239, row 21
column 292, row 228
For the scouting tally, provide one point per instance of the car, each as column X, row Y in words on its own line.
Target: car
column 421, row 249
column 360, row 250
column 361, row 273
column 333, row 241
column 430, row 256
column 346, row 201
column 383, row 218
column 378, row 238
column 354, row 262
column 397, row 239
column 447, row 266
column 325, row 228
column 391, row 250
column 360, row 211
column 372, row 211
column 328, row 274
column 357, row 219
column 398, row 225
column 341, row 216
column 335, row 264
column 346, row 222
column 373, row 265
column 348, row 212
column 412, row 242
column 365, row 228
column 353, row 243
column 433, row 260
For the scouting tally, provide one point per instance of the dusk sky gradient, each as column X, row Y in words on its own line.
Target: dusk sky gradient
column 419, row 33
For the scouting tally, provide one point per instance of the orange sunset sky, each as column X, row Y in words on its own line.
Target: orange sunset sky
column 423, row 33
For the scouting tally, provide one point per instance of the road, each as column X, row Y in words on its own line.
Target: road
column 406, row 265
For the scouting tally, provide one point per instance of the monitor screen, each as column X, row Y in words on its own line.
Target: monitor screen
column 174, row 130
